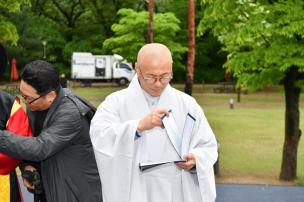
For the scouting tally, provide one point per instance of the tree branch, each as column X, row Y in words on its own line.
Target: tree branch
column 46, row 14
column 63, row 12
column 263, row 37
column 300, row 76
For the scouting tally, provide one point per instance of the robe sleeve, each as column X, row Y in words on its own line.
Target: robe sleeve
column 204, row 146
column 108, row 133
column 113, row 142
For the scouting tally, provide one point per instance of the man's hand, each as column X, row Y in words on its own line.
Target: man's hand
column 25, row 182
column 190, row 163
column 152, row 120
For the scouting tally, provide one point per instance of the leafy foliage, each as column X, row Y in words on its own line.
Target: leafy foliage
column 263, row 38
column 131, row 34
column 104, row 12
column 85, row 27
column 33, row 30
column 208, row 55
column 8, row 32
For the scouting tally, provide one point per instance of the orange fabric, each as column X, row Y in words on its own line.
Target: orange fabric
column 18, row 123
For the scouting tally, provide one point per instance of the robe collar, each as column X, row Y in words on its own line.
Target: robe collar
column 151, row 100
column 165, row 99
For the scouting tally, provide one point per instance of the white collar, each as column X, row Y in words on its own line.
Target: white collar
column 151, row 100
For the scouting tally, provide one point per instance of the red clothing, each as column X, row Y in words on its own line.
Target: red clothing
column 17, row 123
column 12, row 118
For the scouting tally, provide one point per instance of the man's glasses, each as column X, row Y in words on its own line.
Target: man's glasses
column 164, row 79
column 29, row 99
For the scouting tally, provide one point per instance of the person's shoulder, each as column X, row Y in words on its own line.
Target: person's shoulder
column 118, row 95
column 6, row 96
column 6, row 100
column 189, row 103
column 66, row 102
column 77, row 99
column 73, row 102
column 6, row 103
column 183, row 96
column 68, row 105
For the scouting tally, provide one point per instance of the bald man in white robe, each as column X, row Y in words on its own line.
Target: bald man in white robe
column 127, row 129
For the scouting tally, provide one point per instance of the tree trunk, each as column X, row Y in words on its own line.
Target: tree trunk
column 3, row 60
column 191, row 47
column 150, row 21
column 238, row 94
column 292, row 130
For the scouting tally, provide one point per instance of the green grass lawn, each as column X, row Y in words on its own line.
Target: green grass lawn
column 251, row 135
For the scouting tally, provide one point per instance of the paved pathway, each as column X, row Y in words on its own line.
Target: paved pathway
column 259, row 193
column 244, row 193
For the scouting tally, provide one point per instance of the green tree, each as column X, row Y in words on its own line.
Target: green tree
column 131, row 34
column 67, row 13
column 68, row 17
column 8, row 31
column 34, row 29
column 208, row 55
column 77, row 26
column 265, row 42
column 83, row 25
column 105, row 12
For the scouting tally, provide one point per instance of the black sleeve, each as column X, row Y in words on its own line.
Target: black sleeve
column 65, row 125
column 6, row 103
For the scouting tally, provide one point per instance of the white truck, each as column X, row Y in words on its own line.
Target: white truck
column 87, row 68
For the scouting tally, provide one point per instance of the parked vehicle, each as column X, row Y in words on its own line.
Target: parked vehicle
column 87, row 68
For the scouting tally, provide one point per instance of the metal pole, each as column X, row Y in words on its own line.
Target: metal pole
column 44, row 49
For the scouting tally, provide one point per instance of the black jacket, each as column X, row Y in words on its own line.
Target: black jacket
column 6, row 103
column 64, row 150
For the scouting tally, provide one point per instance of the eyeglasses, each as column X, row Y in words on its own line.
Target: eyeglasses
column 26, row 98
column 153, row 79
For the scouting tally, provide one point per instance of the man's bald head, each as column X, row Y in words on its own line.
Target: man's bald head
column 154, row 61
column 154, row 52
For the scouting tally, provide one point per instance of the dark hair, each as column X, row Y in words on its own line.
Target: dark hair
column 42, row 76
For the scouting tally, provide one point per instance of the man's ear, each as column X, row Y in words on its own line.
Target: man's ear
column 136, row 67
column 51, row 96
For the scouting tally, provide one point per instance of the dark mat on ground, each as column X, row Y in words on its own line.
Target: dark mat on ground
column 259, row 193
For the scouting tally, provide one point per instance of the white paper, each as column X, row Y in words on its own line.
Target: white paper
column 173, row 133
column 187, row 134
column 180, row 141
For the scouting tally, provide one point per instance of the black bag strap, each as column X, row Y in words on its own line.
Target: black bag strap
column 89, row 114
column 84, row 106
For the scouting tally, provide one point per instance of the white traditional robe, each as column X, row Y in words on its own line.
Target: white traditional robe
column 118, row 152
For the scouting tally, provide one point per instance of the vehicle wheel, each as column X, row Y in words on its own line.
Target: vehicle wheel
column 122, row 81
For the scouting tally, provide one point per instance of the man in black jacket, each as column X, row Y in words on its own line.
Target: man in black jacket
column 61, row 147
